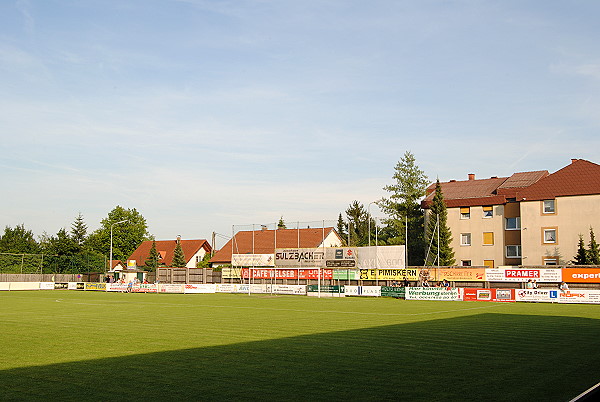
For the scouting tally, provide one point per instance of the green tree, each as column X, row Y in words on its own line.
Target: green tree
column 79, row 230
column 581, row 258
column 178, row 256
column 404, row 210
column 18, row 240
column 593, row 250
column 127, row 236
column 438, row 235
column 205, row 262
column 152, row 260
column 61, row 245
column 281, row 224
column 358, row 224
column 341, row 229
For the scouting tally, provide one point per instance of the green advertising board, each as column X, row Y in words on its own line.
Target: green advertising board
column 325, row 289
column 393, row 291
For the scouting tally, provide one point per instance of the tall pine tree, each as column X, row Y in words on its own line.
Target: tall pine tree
column 178, row 256
column 581, row 258
column 438, row 233
column 593, row 249
column 341, row 229
column 403, row 208
column 152, row 260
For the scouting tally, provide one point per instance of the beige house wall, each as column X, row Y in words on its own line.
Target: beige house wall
column 477, row 225
column 574, row 216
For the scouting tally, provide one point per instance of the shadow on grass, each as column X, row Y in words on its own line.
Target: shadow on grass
column 483, row 357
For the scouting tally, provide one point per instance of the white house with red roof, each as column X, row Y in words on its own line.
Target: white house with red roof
column 529, row 218
column 193, row 251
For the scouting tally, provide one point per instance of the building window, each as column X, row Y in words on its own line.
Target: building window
column 513, row 251
column 549, row 235
column 549, row 206
column 513, row 223
column 465, row 263
column 465, row 213
column 488, row 212
column 488, row 263
column 488, row 238
column 551, row 261
column 465, row 239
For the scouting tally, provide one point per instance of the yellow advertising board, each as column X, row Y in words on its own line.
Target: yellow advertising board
column 412, row 274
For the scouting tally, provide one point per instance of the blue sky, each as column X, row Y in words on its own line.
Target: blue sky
column 206, row 114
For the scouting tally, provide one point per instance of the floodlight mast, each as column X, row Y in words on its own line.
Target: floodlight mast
column 111, row 241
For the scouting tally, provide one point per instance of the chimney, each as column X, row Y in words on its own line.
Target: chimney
column 573, row 160
column 471, row 176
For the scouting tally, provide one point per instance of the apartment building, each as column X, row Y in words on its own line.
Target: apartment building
column 529, row 218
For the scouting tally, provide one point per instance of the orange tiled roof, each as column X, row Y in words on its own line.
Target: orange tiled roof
column 263, row 241
column 581, row 177
column 166, row 249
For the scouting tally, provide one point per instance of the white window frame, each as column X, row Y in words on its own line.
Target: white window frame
column 554, row 238
column 465, row 239
column 546, row 206
column 550, row 261
column 488, row 214
column 517, row 222
column 517, row 251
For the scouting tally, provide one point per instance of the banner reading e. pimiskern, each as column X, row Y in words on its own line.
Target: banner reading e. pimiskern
column 412, row 274
column 419, row 293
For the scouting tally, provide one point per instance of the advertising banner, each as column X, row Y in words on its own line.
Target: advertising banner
column 579, row 296
column 581, row 275
column 342, row 257
column 4, row 285
column 268, row 273
column 116, row 287
column 382, row 257
column 491, row 295
column 73, row 285
column 412, row 274
column 47, row 285
column 231, row 273
column 516, row 274
column 537, row 295
column 95, row 286
column 459, row 274
column 61, row 285
column 346, row 274
column 362, row 290
column 145, row 288
column 393, row 291
column 299, row 257
column 326, row 290
column 253, row 260
column 231, row 288
column 199, row 288
column 24, row 286
column 419, row 293
column 170, row 288
column 289, row 289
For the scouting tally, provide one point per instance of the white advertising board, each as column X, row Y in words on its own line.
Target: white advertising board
column 537, row 295
column 24, row 285
column 47, row 285
column 4, row 285
column 299, row 257
column 579, row 296
column 289, row 289
column 373, row 291
column 116, row 287
column 421, row 293
column 199, row 288
column 231, row 288
column 383, row 257
column 516, row 274
column 253, row 260
column 170, row 288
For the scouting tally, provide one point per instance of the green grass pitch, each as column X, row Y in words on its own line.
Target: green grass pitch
column 72, row 345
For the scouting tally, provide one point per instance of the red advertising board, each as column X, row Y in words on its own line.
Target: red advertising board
column 268, row 273
column 493, row 295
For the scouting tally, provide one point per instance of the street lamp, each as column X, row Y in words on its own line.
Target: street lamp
column 111, row 240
